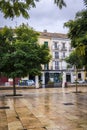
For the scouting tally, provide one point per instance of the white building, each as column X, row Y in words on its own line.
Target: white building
column 60, row 48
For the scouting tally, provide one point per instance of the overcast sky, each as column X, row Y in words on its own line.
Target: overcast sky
column 47, row 15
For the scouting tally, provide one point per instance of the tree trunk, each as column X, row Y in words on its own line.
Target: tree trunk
column 14, row 87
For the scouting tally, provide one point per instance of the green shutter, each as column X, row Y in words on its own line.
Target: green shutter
column 46, row 43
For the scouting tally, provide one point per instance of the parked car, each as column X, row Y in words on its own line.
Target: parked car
column 81, row 81
column 26, row 83
column 30, row 82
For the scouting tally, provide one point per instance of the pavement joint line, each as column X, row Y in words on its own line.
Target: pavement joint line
column 68, row 103
column 4, row 107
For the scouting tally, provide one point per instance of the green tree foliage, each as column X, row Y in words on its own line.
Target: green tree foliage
column 74, row 59
column 6, row 37
column 21, row 55
column 60, row 3
column 37, row 52
column 85, row 2
column 26, row 34
column 77, row 29
column 78, row 34
column 12, row 8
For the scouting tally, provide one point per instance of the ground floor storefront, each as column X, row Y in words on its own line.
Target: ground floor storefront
column 49, row 78
column 61, row 78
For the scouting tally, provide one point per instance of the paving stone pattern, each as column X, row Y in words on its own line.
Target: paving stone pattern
column 44, row 109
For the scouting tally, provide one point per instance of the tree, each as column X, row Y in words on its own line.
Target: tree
column 22, row 56
column 73, row 58
column 78, row 34
column 77, row 29
column 77, row 61
column 12, row 8
column 85, row 2
column 60, row 3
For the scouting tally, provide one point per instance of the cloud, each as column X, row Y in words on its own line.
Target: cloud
column 50, row 17
column 47, row 15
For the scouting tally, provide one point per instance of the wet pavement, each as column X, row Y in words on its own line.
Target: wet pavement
column 44, row 109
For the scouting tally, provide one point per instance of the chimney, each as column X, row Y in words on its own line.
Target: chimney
column 45, row 30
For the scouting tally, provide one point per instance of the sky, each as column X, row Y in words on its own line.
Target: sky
column 47, row 16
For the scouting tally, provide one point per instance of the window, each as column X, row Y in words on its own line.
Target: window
column 56, row 65
column 63, row 45
column 46, row 43
column 55, row 45
column 63, row 54
column 46, row 66
column 56, row 55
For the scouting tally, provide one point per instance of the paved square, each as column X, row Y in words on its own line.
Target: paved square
column 44, row 109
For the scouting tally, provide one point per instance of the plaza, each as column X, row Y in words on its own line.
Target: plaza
column 44, row 109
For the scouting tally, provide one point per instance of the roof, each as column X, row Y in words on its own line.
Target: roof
column 53, row 35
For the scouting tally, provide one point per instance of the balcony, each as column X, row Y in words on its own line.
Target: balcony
column 56, row 67
column 63, row 57
column 64, row 49
column 55, row 48
column 56, row 57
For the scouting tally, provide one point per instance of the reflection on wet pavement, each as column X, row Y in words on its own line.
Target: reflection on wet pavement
column 44, row 109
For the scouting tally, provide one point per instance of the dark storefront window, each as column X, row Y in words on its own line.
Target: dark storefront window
column 79, row 75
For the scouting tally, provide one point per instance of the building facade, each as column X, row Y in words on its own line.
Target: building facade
column 57, row 70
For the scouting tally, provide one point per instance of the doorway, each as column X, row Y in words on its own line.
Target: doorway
column 68, row 78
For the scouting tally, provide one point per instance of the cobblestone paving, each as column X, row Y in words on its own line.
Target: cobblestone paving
column 44, row 109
